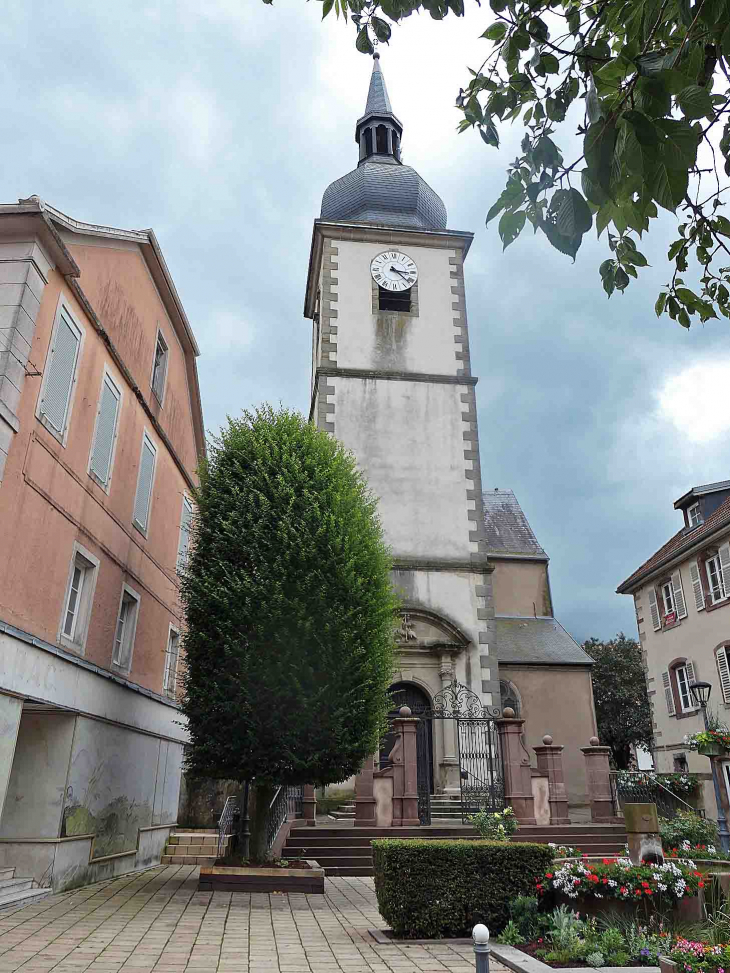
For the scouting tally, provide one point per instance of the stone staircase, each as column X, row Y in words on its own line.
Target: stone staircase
column 18, row 891
column 442, row 809
column 347, row 851
column 192, row 846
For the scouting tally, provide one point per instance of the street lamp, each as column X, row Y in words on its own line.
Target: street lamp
column 701, row 694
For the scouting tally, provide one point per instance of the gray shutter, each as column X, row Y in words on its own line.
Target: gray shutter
column 691, row 677
column 60, row 375
column 144, row 485
column 106, row 427
column 654, row 609
column 668, row 694
column 679, row 601
column 184, row 542
column 725, row 567
column 694, row 574
column 723, row 670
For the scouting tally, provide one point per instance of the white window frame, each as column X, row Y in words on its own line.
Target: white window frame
column 182, row 557
column 167, row 689
column 130, row 630
column 667, row 588
column 77, row 641
column 62, row 310
column 694, row 522
column 690, row 707
column 715, row 561
column 116, row 387
column 160, row 339
column 146, row 438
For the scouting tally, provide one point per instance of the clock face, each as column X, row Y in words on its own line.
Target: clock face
column 394, row 271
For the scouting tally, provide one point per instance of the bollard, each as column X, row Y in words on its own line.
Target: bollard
column 480, row 937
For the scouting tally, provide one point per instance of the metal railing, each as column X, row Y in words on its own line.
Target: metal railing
column 225, row 822
column 277, row 815
column 295, row 800
column 632, row 787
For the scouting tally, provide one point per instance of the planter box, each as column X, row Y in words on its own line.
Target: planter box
column 223, row 878
column 667, row 965
column 689, row 909
column 711, row 749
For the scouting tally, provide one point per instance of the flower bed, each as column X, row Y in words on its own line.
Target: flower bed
column 618, row 878
column 692, row 957
column 686, row 850
column 681, row 784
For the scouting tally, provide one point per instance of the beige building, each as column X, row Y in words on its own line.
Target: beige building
column 680, row 594
column 100, row 435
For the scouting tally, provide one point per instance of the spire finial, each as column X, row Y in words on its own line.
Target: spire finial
column 378, row 132
column 376, row 56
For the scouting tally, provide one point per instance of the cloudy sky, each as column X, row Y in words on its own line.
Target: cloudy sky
column 220, row 124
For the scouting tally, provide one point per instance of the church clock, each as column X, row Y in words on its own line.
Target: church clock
column 393, row 270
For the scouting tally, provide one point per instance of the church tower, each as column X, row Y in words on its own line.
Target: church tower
column 392, row 380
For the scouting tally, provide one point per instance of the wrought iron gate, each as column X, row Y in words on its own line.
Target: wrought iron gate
column 478, row 751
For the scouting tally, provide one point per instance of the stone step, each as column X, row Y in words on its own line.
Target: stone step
column 7, row 873
column 177, row 851
column 7, row 884
column 195, row 831
column 25, row 896
column 191, row 838
column 188, row 859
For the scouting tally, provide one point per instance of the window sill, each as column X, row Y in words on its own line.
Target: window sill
column 76, row 647
column 60, row 437
column 142, row 530
column 670, row 626
column 713, row 606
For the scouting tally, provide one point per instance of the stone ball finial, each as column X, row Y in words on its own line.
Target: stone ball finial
column 405, row 712
column 594, row 742
column 508, row 713
column 547, row 740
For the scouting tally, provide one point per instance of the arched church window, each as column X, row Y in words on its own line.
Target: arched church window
column 368, row 142
column 510, row 696
column 381, row 140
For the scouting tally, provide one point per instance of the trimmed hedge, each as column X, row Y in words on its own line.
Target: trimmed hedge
column 436, row 889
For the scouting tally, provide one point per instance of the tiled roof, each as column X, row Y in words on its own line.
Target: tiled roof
column 378, row 100
column 537, row 640
column 507, row 529
column 701, row 491
column 683, row 539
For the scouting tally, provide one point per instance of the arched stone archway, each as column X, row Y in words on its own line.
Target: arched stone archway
column 409, row 694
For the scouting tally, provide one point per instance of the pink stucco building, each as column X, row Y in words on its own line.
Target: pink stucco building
column 100, row 433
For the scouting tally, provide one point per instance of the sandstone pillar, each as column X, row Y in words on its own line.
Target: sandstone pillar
column 550, row 762
column 599, row 782
column 449, row 763
column 309, row 805
column 516, row 765
column 364, row 799
column 405, row 771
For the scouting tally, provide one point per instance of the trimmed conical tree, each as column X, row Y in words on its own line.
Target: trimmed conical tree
column 289, row 610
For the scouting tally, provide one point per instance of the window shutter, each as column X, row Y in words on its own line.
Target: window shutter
column 725, row 567
column 144, row 484
column 694, row 574
column 723, row 670
column 679, row 595
column 654, row 609
column 184, row 542
column 668, row 694
column 691, row 677
column 106, row 426
column 60, row 376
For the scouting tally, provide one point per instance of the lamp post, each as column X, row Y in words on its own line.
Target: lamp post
column 700, row 694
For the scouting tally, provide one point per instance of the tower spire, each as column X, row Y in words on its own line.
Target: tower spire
column 378, row 132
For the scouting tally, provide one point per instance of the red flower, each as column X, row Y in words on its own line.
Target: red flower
column 605, row 881
column 648, row 891
column 606, row 861
column 701, row 885
column 548, row 874
column 622, row 890
column 637, row 892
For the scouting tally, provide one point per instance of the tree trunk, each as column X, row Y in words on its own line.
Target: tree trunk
column 622, row 756
column 260, row 798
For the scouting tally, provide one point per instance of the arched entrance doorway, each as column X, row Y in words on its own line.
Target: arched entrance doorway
column 408, row 694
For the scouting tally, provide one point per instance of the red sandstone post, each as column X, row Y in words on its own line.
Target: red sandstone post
column 599, row 782
column 405, row 778
column 516, row 765
column 364, row 800
column 550, row 762
column 309, row 805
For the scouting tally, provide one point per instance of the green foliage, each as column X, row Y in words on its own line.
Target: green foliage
column 497, row 825
column 565, row 930
column 645, row 81
column 619, row 690
column 595, row 959
column 524, row 912
column 435, row 889
column 289, row 608
column 511, row 935
column 687, row 827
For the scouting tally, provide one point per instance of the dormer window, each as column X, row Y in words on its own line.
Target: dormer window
column 694, row 516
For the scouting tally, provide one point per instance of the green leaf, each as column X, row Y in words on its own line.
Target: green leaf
column 680, row 145
column 363, row 43
column 598, row 146
column 621, row 279
column 686, row 296
column 695, row 102
column 592, row 192
column 326, row 7
column 381, row 28
column 550, row 64
column 495, row 31
column 593, row 104
column 574, row 216
column 669, row 186
column 510, row 227
column 721, row 224
column 659, row 306
column 634, row 258
column 675, row 248
column 495, row 208
column 683, row 318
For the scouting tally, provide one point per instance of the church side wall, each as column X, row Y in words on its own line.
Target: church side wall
column 521, row 588
column 557, row 700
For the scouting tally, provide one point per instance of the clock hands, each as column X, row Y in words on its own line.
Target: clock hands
column 401, row 272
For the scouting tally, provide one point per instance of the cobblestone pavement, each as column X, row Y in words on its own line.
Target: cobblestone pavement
column 157, row 921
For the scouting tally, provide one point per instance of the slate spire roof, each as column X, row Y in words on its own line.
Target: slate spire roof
column 381, row 190
column 506, row 526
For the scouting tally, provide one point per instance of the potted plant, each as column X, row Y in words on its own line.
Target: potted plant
column 710, row 743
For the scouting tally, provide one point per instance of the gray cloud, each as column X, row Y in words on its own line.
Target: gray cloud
column 220, row 126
